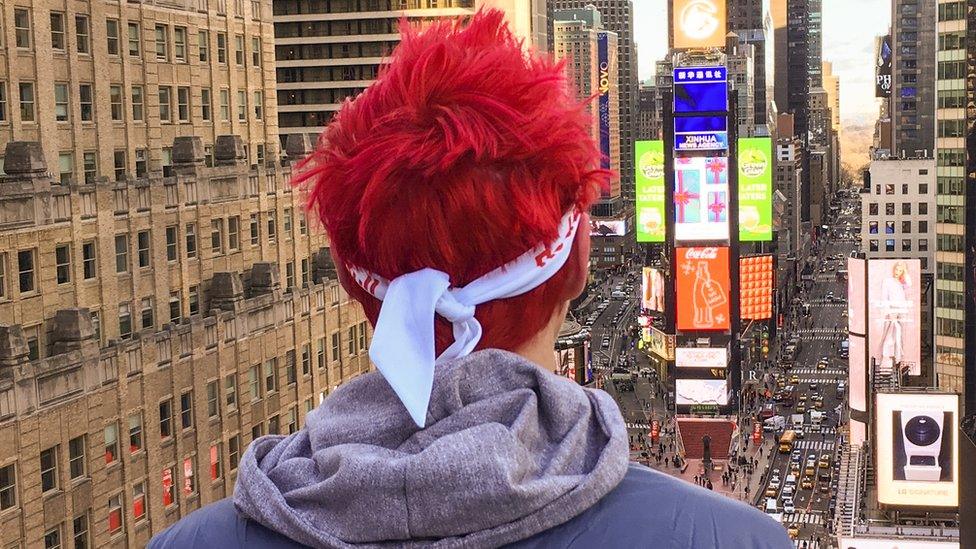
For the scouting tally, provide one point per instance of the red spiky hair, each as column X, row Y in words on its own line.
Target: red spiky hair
column 464, row 154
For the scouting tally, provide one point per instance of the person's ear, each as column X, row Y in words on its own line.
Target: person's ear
column 580, row 270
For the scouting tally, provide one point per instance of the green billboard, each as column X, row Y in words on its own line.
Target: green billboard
column 650, row 190
column 755, row 189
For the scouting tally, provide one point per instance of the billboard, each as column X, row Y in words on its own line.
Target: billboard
column 702, row 288
column 700, row 89
column 698, row 23
column 855, row 296
column 652, row 289
column 857, row 396
column 882, row 56
column 649, row 194
column 917, row 449
column 607, row 62
column 701, row 133
column 608, row 227
column 660, row 344
column 756, row 287
column 894, row 314
column 895, row 543
column 691, row 392
column 755, row 189
column 701, row 198
column 701, row 357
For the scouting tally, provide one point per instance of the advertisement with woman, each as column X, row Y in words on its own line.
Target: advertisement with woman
column 894, row 315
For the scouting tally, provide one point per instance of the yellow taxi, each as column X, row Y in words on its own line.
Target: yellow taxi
column 793, row 531
column 795, row 379
column 807, row 483
column 824, row 461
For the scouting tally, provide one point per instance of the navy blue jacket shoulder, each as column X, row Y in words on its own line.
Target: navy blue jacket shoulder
column 647, row 509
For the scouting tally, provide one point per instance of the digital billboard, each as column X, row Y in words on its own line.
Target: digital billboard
column 701, row 198
column 894, row 314
column 756, row 287
column 649, row 196
column 700, row 89
column 606, row 60
column 702, row 288
column 857, row 397
column 855, row 296
column 690, row 392
column 882, row 55
column 660, row 343
column 917, row 449
column 608, row 227
column 755, row 189
column 698, row 23
column 701, row 133
column 895, row 543
column 652, row 289
column 701, row 357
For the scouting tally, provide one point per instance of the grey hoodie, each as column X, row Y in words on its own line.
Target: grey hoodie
column 509, row 451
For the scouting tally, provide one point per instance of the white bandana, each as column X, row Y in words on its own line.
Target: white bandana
column 403, row 340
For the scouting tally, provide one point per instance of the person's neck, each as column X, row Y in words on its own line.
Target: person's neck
column 540, row 349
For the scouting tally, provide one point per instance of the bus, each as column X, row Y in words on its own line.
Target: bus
column 786, row 442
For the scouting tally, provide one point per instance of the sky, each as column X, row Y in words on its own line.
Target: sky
column 849, row 29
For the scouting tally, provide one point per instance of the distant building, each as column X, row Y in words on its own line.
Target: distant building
column 789, row 168
column 752, row 22
column 913, row 70
column 575, row 39
column 740, row 60
column 649, row 115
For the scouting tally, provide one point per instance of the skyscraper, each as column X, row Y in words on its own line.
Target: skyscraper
column 804, row 58
column 575, row 36
column 752, row 21
column 955, row 363
column 913, row 68
column 618, row 18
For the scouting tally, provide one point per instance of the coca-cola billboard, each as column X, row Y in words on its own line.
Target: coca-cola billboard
column 702, row 288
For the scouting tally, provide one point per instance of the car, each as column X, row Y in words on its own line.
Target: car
column 774, row 482
column 801, row 408
column 824, row 488
column 799, row 432
column 818, row 404
column 821, row 365
column 793, row 531
column 814, row 387
column 788, row 506
column 807, row 483
column 771, row 492
column 825, row 460
column 794, row 379
column 771, row 505
column 781, row 382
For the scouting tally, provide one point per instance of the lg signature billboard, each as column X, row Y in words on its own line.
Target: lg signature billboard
column 652, row 289
column 702, row 288
column 894, row 314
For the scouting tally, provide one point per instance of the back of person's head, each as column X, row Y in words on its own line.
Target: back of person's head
column 465, row 153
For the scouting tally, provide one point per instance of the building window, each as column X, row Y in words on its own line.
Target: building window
column 290, row 275
column 3, row 102
column 111, row 433
column 80, row 530
column 256, row 51
column 274, row 425
column 362, row 335
column 189, row 480
column 172, row 251
column 82, row 34
column 186, row 410
column 135, row 432
column 134, row 40
column 258, row 105
column 125, row 321
column 889, row 244
column 239, row 49
column 142, row 241
column 3, row 275
column 57, row 31
column 230, row 391
column 115, row 102
column 115, row 514
column 147, row 313
column 336, row 346
column 233, row 451
column 254, row 381
column 165, row 104
column 923, row 208
column 88, row 266
column 162, row 46
column 119, row 160
column 217, row 236
column 191, row 240
column 139, row 501
column 8, row 487
column 225, row 105
column 85, row 98
column 306, row 359
column 49, row 469
column 169, row 493
column 137, row 102
column 351, row 347
column 25, row 269
column 27, row 101
column 906, row 208
column 889, row 227
column 183, row 103
column 62, row 260
column 221, row 47
column 203, row 45
column 257, row 431
column 292, row 420
column 76, row 457
column 205, row 107
column 213, row 399
column 214, row 462
column 90, row 165
column 61, row 102
column 175, row 307
column 923, row 227
column 179, row 44
column 112, row 36
column 272, row 227
column 290, row 374
column 22, row 28
column 255, row 230
column 52, row 538
column 121, row 253
column 241, row 105
column 923, row 245
column 166, row 418
column 271, row 375
column 194, row 300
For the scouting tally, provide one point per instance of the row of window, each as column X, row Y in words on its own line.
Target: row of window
column 174, row 106
column 906, row 227
column 171, row 43
column 906, row 207
column 889, row 188
column 906, row 246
